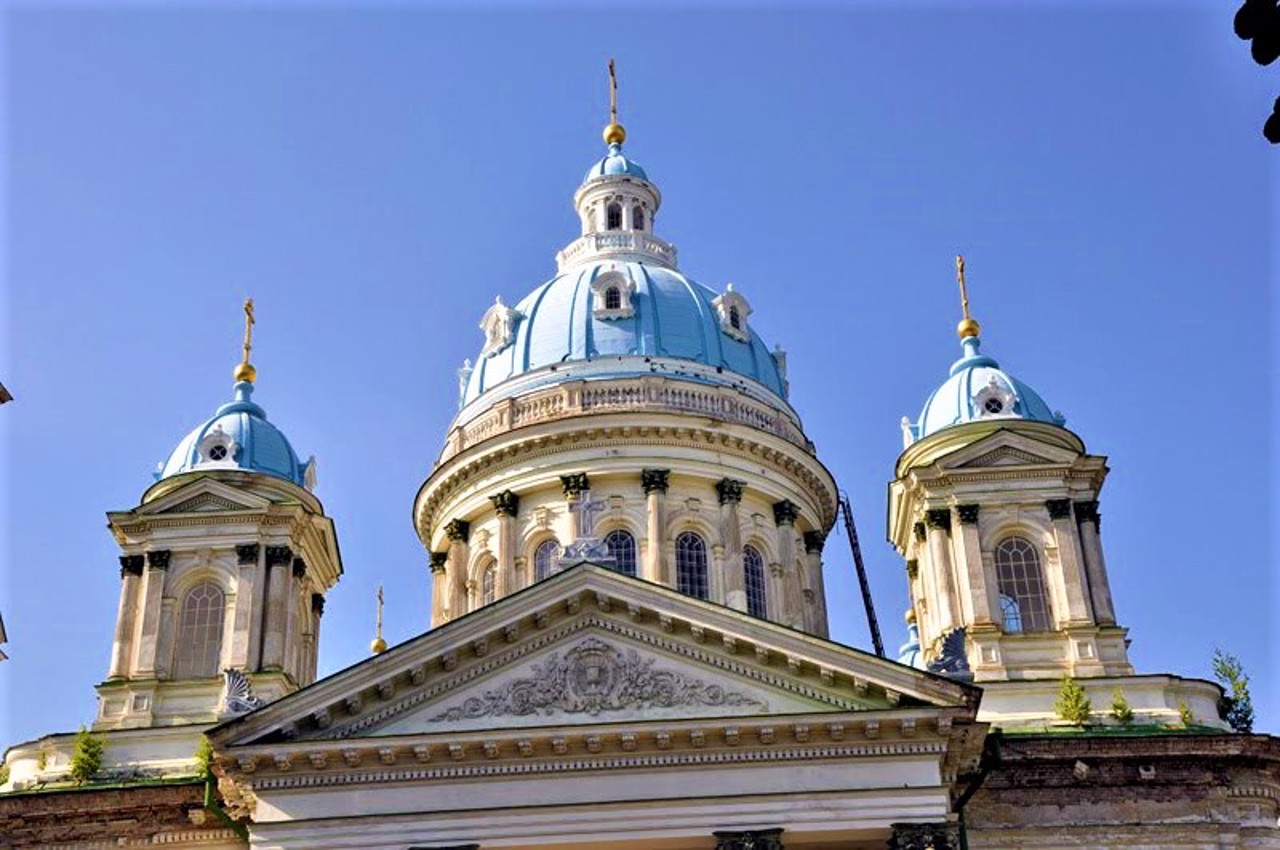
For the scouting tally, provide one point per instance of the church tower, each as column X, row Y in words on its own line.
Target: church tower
column 623, row 413
column 224, row 568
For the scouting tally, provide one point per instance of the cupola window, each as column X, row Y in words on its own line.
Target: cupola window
column 622, row 549
column 1024, row 604
column 994, row 399
column 499, row 326
column 544, row 558
column 733, row 311
column 488, row 582
column 218, row 452
column 613, row 217
column 993, row 405
column 753, row 573
column 217, row 448
column 612, row 298
column 637, row 217
column 612, row 292
column 200, row 632
column 735, row 318
column 691, row 565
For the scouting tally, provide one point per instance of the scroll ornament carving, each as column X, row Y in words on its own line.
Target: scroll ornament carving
column 595, row 678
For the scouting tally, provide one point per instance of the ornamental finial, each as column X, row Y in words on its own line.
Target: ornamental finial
column 245, row 371
column 378, row 646
column 967, row 327
column 613, row 134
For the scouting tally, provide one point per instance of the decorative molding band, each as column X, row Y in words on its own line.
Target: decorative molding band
column 247, row 553
column 131, row 565
column 654, row 480
column 158, row 559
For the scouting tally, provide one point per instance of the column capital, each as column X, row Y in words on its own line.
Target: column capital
column 814, row 541
column 654, row 480
column 247, row 553
column 754, row 839
column 457, row 530
column 938, row 518
column 785, row 512
column 1088, row 512
column 574, row 483
column 299, row 568
column 924, row 836
column 158, row 559
column 279, row 556
column 968, row 514
column 1059, row 508
column 506, row 503
column 317, row 604
column 919, row 531
column 131, row 565
column 438, row 561
column 729, row 490
column 913, row 568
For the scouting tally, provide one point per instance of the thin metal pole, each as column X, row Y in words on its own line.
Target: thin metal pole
column 873, row 624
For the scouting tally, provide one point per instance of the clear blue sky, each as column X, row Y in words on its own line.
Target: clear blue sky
column 373, row 176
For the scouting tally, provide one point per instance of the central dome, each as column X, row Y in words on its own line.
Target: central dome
column 563, row 330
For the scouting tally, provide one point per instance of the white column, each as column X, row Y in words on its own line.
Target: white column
column 148, row 636
column 507, row 505
column 439, row 587
column 244, row 630
column 1095, row 566
column 457, row 531
column 785, row 514
column 122, row 646
column 732, row 578
column 938, row 522
column 655, row 482
column 574, row 486
column 979, row 595
column 813, row 544
column 1071, row 560
column 279, row 560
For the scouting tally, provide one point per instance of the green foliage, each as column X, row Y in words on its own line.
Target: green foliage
column 4, row 774
column 42, row 760
column 86, row 761
column 1073, row 704
column 1120, row 708
column 1184, row 713
column 204, row 757
column 1229, row 672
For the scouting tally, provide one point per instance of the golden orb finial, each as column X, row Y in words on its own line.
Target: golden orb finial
column 968, row 325
column 245, row 371
column 911, row 615
column 378, row 646
column 614, row 134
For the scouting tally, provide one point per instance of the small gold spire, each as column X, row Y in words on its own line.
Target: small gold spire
column 968, row 326
column 613, row 134
column 378, row 646
column 245, row 371
column 911, row 615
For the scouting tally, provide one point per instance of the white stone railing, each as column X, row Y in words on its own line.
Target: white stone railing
column 617, row 242
column 646, row 394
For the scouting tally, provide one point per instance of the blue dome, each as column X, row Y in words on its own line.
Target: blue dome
column 249, row 442
column 909, row 652
column 979, row 389
column 673, row 317
column 614, row 163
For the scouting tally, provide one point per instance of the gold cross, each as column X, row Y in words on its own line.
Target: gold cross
column 964, row 294
column 379, row 611
column 249, row 322
column 613, row 94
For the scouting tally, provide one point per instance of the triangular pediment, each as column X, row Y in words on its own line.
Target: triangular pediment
column 1006, row 448
column 205, row 495
column 590, row 646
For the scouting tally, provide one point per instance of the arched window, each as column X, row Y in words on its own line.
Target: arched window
column 637, row 217
column 1024, row 605
column 613, row 217
column 691, row 565
column 612, row 299
column 199, row 632
column 753, row 572
column 488, row 581
column 622, row 548
column 735, row 319
column 544, row 558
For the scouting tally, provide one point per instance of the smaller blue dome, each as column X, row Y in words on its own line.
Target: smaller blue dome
column 237, row 436
column 909, row 652
column 979, row 389
column 615, row 164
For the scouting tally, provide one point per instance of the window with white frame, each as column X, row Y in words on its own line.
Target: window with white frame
column 691, row 565
column 622, row 549
column 199, row 643
column 733, row 311
column 544, row 558
column 753, row 573
column 637, row 217
column 612, row 296
column 488, row 584
column 613, row 216
column 1024, row 604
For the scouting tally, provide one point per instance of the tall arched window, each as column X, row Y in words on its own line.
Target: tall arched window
column 613, row 217
column 612, row 299
column 753, row 573
column 199, row 632
column 691, row 565
column 622, row 548
column 544, row 558
column 637, row 217
column 1023, row 602
column 735, row 319
column 488, row 582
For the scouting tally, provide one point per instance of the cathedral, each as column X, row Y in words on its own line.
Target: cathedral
column 628, row 637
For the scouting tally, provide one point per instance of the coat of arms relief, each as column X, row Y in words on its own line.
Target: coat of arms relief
column 592, row 678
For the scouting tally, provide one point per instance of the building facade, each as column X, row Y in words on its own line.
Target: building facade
column 628, row 640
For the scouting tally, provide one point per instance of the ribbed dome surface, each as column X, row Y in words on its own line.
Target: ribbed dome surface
column 259, row 445
column 615, row 163
column 975, row 378
column 673, row 318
